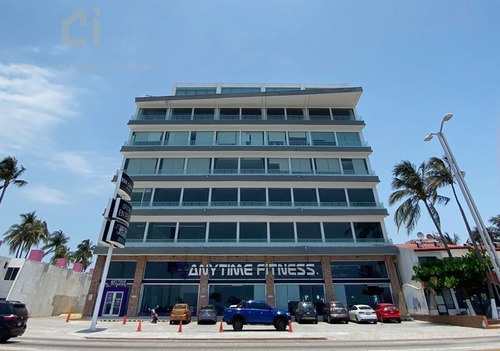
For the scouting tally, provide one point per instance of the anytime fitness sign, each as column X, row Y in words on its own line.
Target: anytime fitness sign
column 255, row 270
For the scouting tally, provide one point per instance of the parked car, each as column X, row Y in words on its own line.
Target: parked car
column 207, row 313
column 387, row 311
column 335, row 311
column 13, row 319
column 255, row 312
column 306, row 311
column 362, row 313
column 180, row 312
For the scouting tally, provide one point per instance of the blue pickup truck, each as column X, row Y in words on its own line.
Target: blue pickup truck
column 255, row 312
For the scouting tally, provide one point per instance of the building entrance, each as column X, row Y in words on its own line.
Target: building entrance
column 112, row 303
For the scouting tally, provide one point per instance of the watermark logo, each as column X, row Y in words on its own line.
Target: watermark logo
column 81, row 15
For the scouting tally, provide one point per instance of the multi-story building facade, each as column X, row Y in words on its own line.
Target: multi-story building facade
column 250, row 191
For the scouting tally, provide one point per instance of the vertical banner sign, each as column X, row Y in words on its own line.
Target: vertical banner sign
column 117, row 214
column 119, row 209
column 125, row 186
column 116, row 233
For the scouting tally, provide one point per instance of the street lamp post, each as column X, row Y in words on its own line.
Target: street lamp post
column 483, row 232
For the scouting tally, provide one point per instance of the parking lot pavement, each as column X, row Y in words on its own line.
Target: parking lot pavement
column 78, row 329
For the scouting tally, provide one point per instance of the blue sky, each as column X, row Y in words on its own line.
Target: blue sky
column 64, row 109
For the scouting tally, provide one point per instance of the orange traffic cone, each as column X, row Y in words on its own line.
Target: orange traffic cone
column 290, row 326
column 139, row 327
column 180, row 327
column 69, row 315
column 124, row 320
column 221, row 328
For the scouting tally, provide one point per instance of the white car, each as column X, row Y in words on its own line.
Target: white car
column 362, row 313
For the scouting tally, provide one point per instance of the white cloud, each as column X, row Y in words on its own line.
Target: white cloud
column 74, row 161
column 33, row 101
column 99, row 185
column 46, row 195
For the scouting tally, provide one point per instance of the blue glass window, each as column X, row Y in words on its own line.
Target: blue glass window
column 194, row 91
column 359, row 269
column 239, row 90
column 121, row 270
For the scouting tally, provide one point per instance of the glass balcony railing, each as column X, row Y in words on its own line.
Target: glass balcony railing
column 203, row 117
column 310, row 240
column 147, row 171
column 187, row 117
column 269, row 143
column 258, row 204
column 288, row 242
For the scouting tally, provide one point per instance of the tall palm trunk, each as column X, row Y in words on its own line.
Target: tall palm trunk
column 27, row 251
column 438, row 227
column 4, row 189
column 22, row 250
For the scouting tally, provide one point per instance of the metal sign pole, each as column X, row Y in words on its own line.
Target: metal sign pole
column 481, row 228
column 97, row 303
column 101, row 289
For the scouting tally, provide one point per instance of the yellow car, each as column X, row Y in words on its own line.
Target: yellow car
column 180, row 312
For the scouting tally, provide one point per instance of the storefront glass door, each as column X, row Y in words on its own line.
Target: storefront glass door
column 113, row 303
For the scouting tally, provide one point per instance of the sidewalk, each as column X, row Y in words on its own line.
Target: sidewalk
column 415, row 330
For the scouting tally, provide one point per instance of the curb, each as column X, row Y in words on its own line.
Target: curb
column 313, row 338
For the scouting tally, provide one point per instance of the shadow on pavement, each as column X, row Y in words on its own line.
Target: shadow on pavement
column 10, row 341
column 88, row 331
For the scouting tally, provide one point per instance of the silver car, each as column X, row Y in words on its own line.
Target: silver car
column 362, row 313
column 208, row 314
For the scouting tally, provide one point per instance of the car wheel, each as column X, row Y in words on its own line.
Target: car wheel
column 280, row 324
column 316, row 321
column 346, row 321
column 399, row 320
column 381, row 319
column 238, row 324
column 374, row 322
column 329, row 319
column 4, row 339
column 171, row 322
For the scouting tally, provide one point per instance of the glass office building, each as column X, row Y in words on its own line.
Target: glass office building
column 250, row 191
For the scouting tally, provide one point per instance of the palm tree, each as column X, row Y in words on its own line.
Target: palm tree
column 9, row 172
column 412, row 185
column 21, row 237
column 455, row 240
column 84, row 252
column 56, row 239
column 496, row 223
column 62, row 251
column 441, row 175
column 493, row 231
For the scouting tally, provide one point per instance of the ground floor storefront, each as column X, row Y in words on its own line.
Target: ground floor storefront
column 136, row 284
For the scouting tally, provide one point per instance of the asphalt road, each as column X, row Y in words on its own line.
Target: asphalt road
column 62, row 343
column 53, row 333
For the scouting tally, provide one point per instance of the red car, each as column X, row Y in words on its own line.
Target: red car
column 387, row 311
